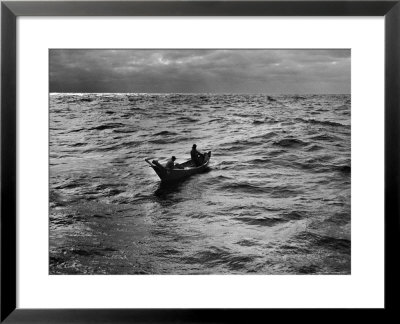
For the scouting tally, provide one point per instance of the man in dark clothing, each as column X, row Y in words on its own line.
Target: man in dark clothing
column 196, row 156
column 171, row 163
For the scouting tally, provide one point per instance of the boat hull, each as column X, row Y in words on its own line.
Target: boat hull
column 174, row 175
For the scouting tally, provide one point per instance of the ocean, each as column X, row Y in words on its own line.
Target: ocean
column 274, row 200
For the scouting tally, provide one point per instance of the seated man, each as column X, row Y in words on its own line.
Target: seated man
column 196, row 156
column 171, row 163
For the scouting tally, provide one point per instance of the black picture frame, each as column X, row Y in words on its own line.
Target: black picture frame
column 10, row 10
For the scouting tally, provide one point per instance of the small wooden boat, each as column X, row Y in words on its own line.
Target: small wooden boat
column 183, row 170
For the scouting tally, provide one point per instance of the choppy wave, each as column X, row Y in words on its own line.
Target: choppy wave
column 291, row 142
column 275, row 200
column 321, row 122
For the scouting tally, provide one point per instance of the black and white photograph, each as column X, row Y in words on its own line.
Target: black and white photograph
column 199, row 161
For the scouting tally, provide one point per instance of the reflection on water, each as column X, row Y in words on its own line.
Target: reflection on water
column 165, row 190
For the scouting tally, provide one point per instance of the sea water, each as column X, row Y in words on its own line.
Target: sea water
column 275, row 199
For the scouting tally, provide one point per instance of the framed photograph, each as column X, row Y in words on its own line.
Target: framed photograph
column 192, row 161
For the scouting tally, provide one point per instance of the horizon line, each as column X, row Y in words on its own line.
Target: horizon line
column 201, row 93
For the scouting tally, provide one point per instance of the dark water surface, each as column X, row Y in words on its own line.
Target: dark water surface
column 275, row 200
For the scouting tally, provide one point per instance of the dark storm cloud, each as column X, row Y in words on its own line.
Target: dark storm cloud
column 229, row 71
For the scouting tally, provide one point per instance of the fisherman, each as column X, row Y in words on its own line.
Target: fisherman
column 196, row 156
column 171, row 163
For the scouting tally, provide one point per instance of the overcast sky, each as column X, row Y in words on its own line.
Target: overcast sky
column 216, row 71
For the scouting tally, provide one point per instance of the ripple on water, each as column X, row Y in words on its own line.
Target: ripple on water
column 275, row 200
